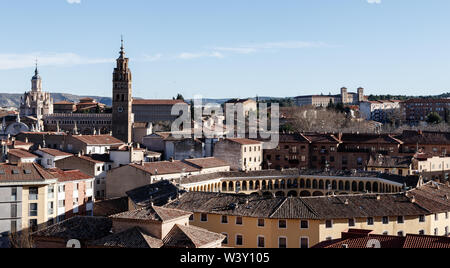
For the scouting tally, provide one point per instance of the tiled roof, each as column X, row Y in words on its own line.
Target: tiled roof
column 21, row 153
column 64, row 103
column 158, row 102
column 383, row 161
column 160, row 193
column 110, row 207
column 98, row 139
column 322, row 138
column 369, row 138
column 245, row 141
column 70, row 175
column 24, row 172
column 152, row 213
column 355, row 239
column 131, row 238
column 425, row 137
column 97, row 158
column 81, row 228
column 190, row 237
column 54, row 152
column 165, row 167
column 432, row 197
column 330, row 207
column 210, row 162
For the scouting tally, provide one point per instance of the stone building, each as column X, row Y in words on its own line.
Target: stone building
column 36, row 102
column 346, row 98
column 241, row 154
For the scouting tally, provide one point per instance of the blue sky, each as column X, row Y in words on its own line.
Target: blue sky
column 228, row 48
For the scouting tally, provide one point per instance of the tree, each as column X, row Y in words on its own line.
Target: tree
column 434, row 118
column 179, row 97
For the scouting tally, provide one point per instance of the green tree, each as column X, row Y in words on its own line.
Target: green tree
column 434, row 118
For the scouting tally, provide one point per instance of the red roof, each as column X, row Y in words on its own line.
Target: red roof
column 245, row 141
column 158, row 102
column 21, row 153
column 98, row 139
column 70, row 175
column 54, row 152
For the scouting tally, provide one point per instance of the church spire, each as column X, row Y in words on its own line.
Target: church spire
column 122, row 51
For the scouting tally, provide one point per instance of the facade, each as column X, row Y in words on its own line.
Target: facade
column 48, row 157
column 79, row 123
column 241, row 154
column 257, row 222
column 379, row 111
column 36, row 102
column 75, row 194
column 27, row 199
column 122, row 115
column 345, row 98
column 125, row 155
column 417, row 110
column 155, row 111
column 248, row 106
column 16, row 156
column 95, row 166
column 64, row 107
column 126, row 178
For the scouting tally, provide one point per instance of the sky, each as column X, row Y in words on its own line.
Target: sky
column 228, row 48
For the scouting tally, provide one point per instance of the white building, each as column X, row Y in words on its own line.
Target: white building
column 49, row 156
column 378, row 110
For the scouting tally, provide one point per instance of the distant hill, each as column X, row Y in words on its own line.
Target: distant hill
column 13, row 100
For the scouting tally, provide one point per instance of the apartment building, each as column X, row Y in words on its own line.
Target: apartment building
column 379, row 111
column 241, row 154
column 75, row 193
column 259, row 222
column 27, row 198
column 417, row 110
column 48, row 156
column 96, row 166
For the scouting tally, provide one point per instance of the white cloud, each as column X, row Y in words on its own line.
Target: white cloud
column 19, row 61
column 190, row 56
column 74, row 1
column 374, row 1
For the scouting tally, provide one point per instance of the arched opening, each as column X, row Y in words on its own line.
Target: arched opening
column 317, row 193
column 230, row 186
column 264, row 185
column 315, row 184
column 283, row 184
column 302, row 183
column 270, row 185
column 250, row 185
column 321, row 185
column 334, row 185
column 289, row 184
column 254, row 195
column 257, row 185
column 361, row 187
column 277, row 185
column 375, row 187
column 369, row 187
column 308, row 184
column 279, row 194
column 268, row 194
column 295, row 184
column 238, row 186
column 341, row 186
column 292, row 194
column 224, row 186
column 305, row 194
column 347, row 186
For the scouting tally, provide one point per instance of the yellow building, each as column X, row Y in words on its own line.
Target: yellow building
column 264, row 222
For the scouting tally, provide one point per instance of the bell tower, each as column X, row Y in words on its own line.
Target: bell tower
column 122, row 115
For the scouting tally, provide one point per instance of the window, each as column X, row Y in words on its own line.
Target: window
column 261, row 222
column 61, row 189
column 370, row 221
column 204, row 217
column 401, row 234
column 33, row 225
column 304, row 242
column 238, row 220
column 385, row 220
column 261, row 242
column 13, row 210
column 282, row 224
column 351, row 222
column 436, row 231
column 62, row 203
column 33, row 193
column 304, row 225
column 436, row 217
column 33, row 210
column 400, row 220
column 386, row 233
column 422, row 218
column 282, row 242
column 329, row 224
column 422, row 232
column 225, row 241
column 14, row 194
column 224, row 219
column 239, row 240
column 13, row 226
column 191, row 218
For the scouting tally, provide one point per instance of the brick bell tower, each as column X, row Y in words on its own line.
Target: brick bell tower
column 122, row 115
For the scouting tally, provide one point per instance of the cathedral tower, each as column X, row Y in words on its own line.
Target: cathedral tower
column 122, row 116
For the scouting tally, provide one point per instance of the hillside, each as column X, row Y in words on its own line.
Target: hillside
column 13, row 100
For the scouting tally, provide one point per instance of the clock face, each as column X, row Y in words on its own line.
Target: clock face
column 120, row 109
